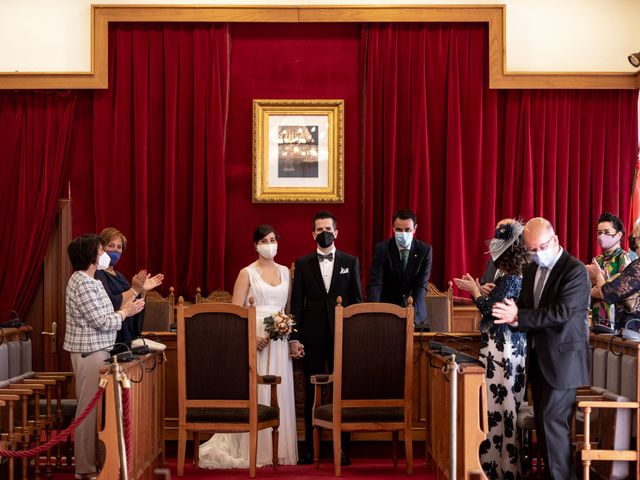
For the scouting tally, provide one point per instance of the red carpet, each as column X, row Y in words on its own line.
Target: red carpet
column 362, row 468
column 369, row 460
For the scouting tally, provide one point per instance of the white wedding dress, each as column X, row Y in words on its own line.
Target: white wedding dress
column 231, row 450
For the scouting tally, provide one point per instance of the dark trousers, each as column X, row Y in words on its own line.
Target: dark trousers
column 318, row 359
column 553, row 409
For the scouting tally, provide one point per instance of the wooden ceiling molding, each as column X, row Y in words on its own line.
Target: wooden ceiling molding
column 493, row 15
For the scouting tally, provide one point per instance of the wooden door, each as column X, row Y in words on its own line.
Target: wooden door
column 57, row 271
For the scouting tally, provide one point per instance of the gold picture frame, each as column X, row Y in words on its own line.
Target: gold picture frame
column 298, row 151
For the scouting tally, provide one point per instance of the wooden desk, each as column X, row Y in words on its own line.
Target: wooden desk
column 461, row 340
column 472, row 418
column 147, row 412
column 170, row 383
column 466, row 318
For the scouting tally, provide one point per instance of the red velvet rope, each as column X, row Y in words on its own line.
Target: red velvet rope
column 58, row 439
column 126, row 420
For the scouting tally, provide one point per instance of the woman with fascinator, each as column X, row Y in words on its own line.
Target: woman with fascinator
column 504, row 353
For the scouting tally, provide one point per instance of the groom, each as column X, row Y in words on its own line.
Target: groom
column 319, row 279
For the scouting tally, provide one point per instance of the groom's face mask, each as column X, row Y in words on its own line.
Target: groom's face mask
column 325, row 239
column 325, row 233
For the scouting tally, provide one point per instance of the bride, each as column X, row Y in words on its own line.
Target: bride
column 268, row 284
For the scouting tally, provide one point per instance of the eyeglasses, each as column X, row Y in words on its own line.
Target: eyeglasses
column 542, row 246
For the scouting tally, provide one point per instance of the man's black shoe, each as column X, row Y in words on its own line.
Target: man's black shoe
column 345, row 461
column 306, row 459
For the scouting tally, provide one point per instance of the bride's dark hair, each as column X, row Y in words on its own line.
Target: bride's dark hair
column 262, row 231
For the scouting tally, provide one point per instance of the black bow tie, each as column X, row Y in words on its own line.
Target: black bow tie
column 328, row 256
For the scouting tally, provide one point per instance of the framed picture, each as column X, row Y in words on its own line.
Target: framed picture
column 298, row 151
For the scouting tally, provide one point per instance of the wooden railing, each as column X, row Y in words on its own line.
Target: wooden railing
column 472, row 424
column 146, row 377
column 614, row 367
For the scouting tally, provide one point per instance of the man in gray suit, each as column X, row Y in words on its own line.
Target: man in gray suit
column 552, row 309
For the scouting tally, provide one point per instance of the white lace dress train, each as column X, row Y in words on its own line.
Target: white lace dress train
column 232, row 450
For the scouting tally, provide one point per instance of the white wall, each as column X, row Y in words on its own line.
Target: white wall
column 542, row 35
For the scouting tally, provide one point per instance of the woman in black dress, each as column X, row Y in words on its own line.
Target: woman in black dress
column 118, row 288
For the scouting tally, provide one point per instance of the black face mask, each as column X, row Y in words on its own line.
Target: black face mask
column 632, row 243
column 325, row 239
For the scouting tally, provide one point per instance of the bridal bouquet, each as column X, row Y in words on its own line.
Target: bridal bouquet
column 278, row 326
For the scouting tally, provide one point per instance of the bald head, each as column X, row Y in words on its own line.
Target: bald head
column 537, row 234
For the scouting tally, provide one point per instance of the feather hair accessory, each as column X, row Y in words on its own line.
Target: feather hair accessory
column 504, row 236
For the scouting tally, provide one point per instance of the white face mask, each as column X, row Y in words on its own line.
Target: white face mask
column 404, row 239
column 268, row 250
column 544, row 258
column 104, row 261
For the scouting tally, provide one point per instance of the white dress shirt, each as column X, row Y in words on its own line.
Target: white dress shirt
column 326, row 267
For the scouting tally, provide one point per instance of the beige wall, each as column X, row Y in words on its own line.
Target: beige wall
column 541, row 35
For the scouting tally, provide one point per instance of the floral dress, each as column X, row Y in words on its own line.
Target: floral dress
column 623, row 289
column 504, row 357
column 604, row 313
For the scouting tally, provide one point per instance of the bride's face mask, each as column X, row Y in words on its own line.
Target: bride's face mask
column 268, row 250
column 267, row 247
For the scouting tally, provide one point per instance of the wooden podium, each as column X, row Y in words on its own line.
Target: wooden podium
column 472, row 422
column 147, row 414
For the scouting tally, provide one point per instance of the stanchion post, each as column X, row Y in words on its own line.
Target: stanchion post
column 122, row 449
column 452, row 370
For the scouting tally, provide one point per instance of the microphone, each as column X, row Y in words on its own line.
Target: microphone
column 473, row 350
column 125, row 356
column 137, row 349
column 13, row 322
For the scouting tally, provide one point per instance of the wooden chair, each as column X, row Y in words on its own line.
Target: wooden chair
column 615, row 433
column 217, row 378
column 9, row 436
column 439, row 308
column 159, row 311
column 217, row 296
column 372, row 377
column 615, row 366
column 39, row 408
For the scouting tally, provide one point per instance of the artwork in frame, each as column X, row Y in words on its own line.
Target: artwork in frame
column 298, row 151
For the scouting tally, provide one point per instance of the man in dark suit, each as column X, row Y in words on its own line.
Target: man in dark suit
column 319, row 279
column 552, row 309
column 401, row 266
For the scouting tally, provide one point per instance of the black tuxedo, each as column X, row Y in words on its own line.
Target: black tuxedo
column 312, row 306
column 389, row 284
column 313, row 309
column 558, row 354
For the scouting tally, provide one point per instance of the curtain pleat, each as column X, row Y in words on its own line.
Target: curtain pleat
column 35, row 131
column 157, row 150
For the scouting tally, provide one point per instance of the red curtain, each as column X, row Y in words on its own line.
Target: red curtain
column 35, row 130
column 439, row 141
column 153, row 147
column 148, row 155
column 303, row 61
